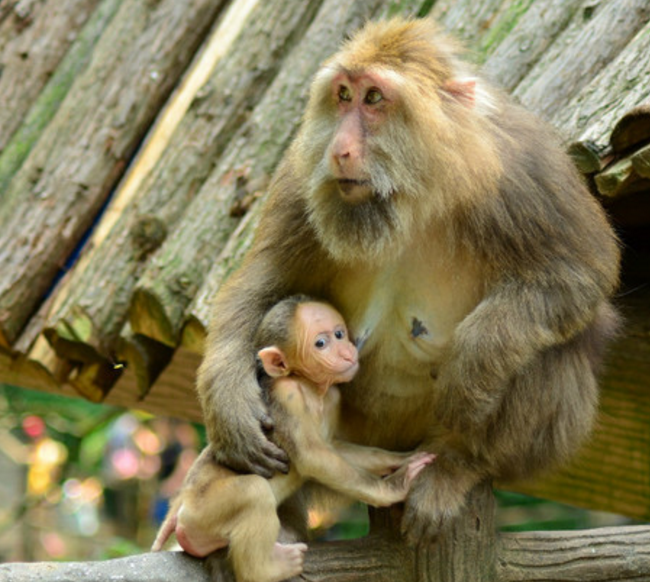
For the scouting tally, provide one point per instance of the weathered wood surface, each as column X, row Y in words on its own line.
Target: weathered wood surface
column 527, row 41
column 53, row 199
column 34, row 36
column 579, row 54
column 15, row 146
column 591, row 114
column 600, row 555
column 467, row 20
column 92, row 307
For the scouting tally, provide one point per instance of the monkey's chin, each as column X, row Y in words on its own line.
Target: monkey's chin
column 348, row 374
column 355, row 191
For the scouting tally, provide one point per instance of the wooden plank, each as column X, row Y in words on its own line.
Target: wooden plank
column 53, row 199
column 223, row 84
column 46, row 104
column 35, row 36
column 617, row 89
column 511, row 60
column 599, row 555
column 581, row 52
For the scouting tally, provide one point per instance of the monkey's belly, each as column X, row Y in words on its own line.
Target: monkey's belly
column 388, row 409
column 404, row 317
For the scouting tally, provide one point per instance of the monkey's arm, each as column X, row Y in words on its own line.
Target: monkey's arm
column 236, row 418
column 377, row 461
column 284, row 250
column 514, row 323
column 320, row 462
column 315, row 458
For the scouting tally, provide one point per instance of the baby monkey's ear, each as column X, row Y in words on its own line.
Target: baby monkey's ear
column 274, row 361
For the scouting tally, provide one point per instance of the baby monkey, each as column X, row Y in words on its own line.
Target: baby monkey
column 304, row 349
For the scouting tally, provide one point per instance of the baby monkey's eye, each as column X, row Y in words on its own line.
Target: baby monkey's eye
column 320, row 343
column 373, row 96
column 339, row 334
column 344, row 93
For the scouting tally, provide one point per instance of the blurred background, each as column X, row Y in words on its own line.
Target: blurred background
column 84, row 481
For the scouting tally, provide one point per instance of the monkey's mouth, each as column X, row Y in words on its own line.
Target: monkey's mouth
column 349, row 373
column 355, row 191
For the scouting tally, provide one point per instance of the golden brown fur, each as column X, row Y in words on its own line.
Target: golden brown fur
column 474, row 265
column 305, row 349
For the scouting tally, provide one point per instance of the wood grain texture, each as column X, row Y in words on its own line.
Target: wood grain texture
column 54, row 197
column 102, row 283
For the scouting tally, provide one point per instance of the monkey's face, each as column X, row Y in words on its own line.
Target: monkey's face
column 390, row 142
column 326, row 354
column 357, row 194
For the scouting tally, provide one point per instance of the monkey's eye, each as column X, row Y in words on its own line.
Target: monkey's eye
column 320, row 343
column 344, row 93
column 339, row 334
column 373, row 96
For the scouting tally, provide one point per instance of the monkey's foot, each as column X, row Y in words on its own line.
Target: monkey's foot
column 288, row 560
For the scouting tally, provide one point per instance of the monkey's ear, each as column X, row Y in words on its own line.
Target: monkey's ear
column 463, row 90
column 274, row 361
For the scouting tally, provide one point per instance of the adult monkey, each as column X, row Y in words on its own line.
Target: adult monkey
column 460, row 244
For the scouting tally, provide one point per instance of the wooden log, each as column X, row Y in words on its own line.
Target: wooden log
column 225, row 81
column 49, row 99
column 512, row 59
column 632, row 130
column 35, row 36
column 145, row 357
column 172, row 394
column 590, row 157
column 599, row 555
column 53, row 199
column 617, row 89
column 469, row 21
column 641, row 162
column 616, row 178
column 160, row 302
column 198, row 313
column 578, row 54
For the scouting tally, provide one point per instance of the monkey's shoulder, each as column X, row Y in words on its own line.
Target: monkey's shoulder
column 288, row 393
column 298, row 400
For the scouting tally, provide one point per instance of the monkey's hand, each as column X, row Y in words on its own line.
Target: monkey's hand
column 240, row 440
column 400, row 481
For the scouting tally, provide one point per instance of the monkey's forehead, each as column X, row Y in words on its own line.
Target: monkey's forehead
column 397, row 43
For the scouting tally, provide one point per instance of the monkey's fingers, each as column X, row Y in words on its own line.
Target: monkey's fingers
column 274, row 458
column 267, row 423
column 418, row 462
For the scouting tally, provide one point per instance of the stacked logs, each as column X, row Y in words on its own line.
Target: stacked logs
column 135, row 155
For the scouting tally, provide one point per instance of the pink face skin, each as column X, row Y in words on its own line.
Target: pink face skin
column 327, row 355
column 362, row 103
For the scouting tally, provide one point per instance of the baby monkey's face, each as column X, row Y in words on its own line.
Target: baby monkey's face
column 324, row 346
